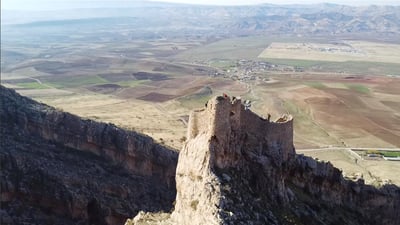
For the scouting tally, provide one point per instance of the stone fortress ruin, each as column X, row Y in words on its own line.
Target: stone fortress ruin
column 223, row 136
column 239, row 168
column 225, row 119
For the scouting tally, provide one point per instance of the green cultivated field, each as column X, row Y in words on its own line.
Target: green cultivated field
column 32, row 85
column 74, row 81
column 359, row 88
column 317, row 85
column 391, row 154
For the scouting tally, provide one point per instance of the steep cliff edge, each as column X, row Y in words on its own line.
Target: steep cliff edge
column 238, row 168
column 59, row 169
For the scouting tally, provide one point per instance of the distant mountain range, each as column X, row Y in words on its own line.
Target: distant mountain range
column 292, row 20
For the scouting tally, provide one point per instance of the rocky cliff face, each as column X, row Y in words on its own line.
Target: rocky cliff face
column 238, row 168
column 59, row 169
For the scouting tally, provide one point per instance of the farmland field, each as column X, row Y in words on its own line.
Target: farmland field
column 151, row 84
column 335, row 52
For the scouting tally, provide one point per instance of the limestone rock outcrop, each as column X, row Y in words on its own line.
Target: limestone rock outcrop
column 239, row 168
column 59, row 169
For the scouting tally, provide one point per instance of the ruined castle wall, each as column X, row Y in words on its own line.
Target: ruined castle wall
column 195, row 163
column 281, row 134
column 221, row 123
column 197, row 123
column 218, row 138
column 278, row 135
column 226, row 122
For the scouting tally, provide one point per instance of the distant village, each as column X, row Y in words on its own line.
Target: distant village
column 249, row 70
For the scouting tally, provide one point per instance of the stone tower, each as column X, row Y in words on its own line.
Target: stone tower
column 220, row 137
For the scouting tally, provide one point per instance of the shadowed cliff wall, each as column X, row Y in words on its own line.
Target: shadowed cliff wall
column 136, row 152
column 59, row 169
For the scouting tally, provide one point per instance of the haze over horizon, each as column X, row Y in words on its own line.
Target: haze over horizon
column 278, row 2
column 70, row 4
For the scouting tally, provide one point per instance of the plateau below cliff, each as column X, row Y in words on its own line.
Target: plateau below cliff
column 57, row 168
column 239, row 168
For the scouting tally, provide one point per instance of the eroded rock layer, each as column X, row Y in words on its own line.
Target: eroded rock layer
column 59, row 169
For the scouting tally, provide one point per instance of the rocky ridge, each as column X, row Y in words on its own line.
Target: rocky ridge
column 316, row 20
column 238, row 168
column 59, row 169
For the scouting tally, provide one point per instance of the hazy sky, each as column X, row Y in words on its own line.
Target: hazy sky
column 63, row 4
column 244, row 2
